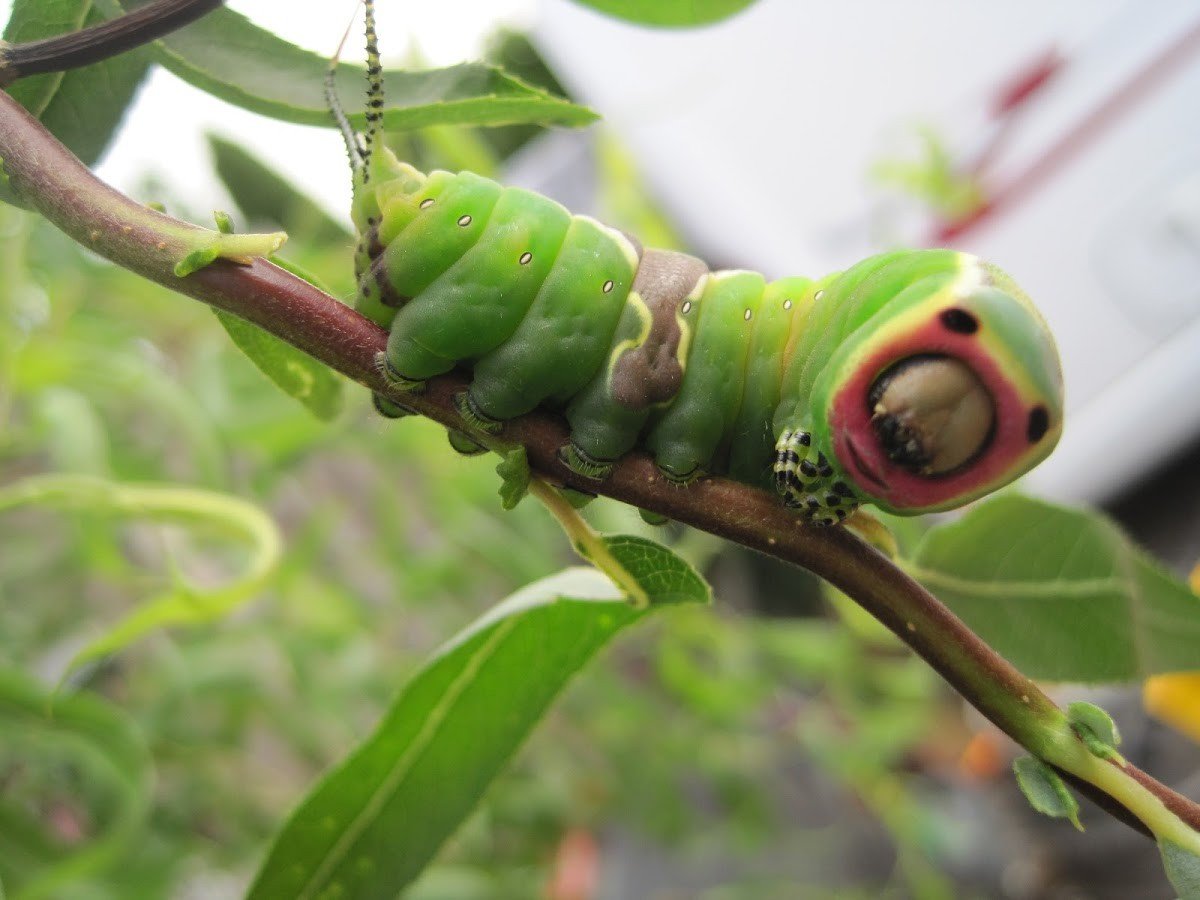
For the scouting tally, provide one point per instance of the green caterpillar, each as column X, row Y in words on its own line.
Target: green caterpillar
column 916, row 380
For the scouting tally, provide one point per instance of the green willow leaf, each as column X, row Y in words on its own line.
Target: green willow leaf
column 297, row 374
column 266, row 198
column 228, row 56
column 1062, row 593
column 669, row 13
column 47, row 736
column 371, row 825
column 82, row 107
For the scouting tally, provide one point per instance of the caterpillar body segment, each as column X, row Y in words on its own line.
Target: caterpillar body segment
column 778, row 320
column 915, row 380
column 476, row 303
column 644, row 363
column 563, row 340
column 688, row 435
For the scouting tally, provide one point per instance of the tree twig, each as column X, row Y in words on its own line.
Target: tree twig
column 90, row 45
column 52, row 180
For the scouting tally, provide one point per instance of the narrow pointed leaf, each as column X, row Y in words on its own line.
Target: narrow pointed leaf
column 370, row 827
column 317, row 387
column 230, row 57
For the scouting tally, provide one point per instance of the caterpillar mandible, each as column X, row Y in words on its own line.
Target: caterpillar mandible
column 916, row 380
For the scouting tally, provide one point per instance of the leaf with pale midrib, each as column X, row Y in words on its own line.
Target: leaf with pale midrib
column 1062, row 593
column 370, row 827
column 228, row 56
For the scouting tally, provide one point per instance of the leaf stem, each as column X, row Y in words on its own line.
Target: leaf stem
column 587, row 542
column 58, row 185
column 1118, row 782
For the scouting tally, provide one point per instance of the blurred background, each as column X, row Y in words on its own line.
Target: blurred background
column 777, row 745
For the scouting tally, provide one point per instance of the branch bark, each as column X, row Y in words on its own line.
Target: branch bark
column 89, row 45
column 52, row 180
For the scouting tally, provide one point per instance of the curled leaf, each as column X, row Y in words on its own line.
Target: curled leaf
column 182, row 603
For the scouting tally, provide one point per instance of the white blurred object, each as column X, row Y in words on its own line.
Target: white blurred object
column 759, row 134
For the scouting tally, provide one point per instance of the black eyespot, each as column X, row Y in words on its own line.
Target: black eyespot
column 1039, row 424
column 959, row 320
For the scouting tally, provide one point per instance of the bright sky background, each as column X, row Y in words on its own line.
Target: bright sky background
column 165, row 128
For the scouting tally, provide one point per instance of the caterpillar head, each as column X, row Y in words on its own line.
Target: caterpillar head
column 952, row 389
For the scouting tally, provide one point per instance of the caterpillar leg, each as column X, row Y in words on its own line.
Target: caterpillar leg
column 601, row 431
column 464, row 444
column 408, row 362
column 389, row 408
column 582, row 463
column 652, row 518
column 577, row 499
column 474, row 416
column 395, row 380
column 680, row 475
column 808, row 483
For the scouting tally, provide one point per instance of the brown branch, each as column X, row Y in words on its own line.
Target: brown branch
column 90, row 45
column 48, row 176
